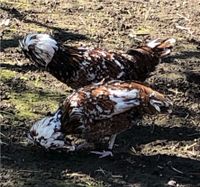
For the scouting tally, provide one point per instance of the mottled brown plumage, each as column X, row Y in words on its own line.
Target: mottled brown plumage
column 99, row 110
column 78, row 67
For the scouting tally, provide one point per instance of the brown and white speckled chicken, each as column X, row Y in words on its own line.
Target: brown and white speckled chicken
column 78, row 67
column 97, row 111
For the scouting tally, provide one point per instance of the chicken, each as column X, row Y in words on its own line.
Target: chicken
column 78, row 67
column 97, row 111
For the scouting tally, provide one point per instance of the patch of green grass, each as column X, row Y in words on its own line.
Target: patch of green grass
column 7, row 74
column 27, row 103
column 37, row 98
column 38, row 83
column 143, row 30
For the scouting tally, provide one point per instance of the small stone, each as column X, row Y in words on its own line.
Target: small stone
column 5, row 22
column 99, row 7
column 172, row 183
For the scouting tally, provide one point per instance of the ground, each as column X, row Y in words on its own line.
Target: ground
column 159, row 151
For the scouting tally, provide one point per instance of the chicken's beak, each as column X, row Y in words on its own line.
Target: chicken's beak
column 29, row 139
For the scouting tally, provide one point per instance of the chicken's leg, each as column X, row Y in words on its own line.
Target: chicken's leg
column 110, row 147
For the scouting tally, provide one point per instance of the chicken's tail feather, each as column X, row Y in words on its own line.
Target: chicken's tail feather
column 158, row 48
column 154, row 101
column 161, row 47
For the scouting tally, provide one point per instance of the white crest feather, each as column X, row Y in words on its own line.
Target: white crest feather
column 153, row 43
column 44, row 46
column 47, row 132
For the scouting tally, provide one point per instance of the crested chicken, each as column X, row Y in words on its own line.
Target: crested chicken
column 97, row 111
column 78, row 67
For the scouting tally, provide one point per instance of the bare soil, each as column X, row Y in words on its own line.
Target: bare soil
column 159, row 151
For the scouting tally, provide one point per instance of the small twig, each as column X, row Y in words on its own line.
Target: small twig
column 160, row 167
column 116, row 176
column 175, row 91
column 190, row 146
column 194, row 134
column 81, row 19
column 101, row 170
column 1, row 134
column 3, row 143
column 31, row 171
column 133, row 150
column 183, row 17
column 153, row 128
column 4, row 112
column 6, row 157
column 184, row 28
column 174, row 169
column 147, row 13
column 187, row 115
column 192, row 153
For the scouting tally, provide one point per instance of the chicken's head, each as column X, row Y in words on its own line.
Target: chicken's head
column 39, row 48
column 47, row 133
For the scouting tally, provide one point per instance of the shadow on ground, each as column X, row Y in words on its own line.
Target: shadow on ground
column 61, row 34
column 124, row 168
column 24, row 68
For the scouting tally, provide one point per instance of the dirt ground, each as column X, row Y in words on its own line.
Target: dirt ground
column 159, row 151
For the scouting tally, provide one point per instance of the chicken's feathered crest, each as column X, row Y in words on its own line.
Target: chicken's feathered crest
column 39, row 47
column 45, row 137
